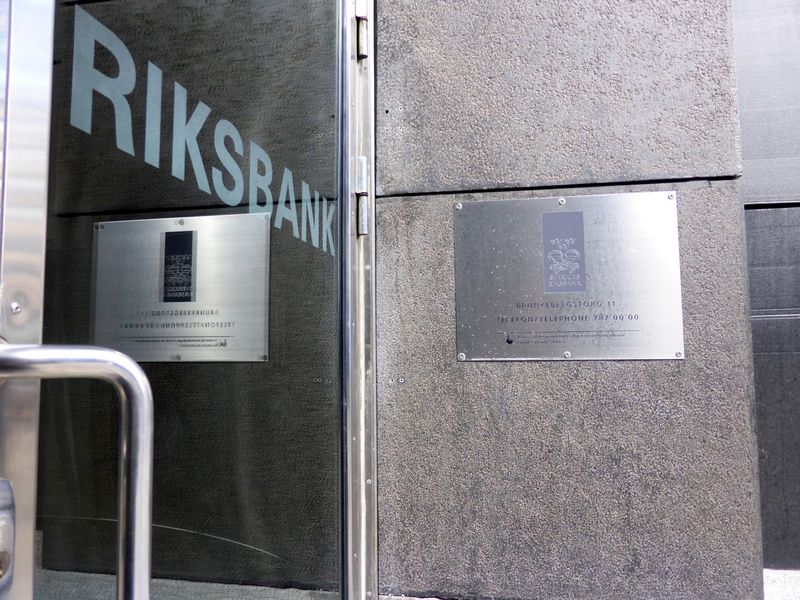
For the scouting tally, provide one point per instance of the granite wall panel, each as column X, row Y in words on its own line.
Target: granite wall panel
column 580, row 480
column 528, row 94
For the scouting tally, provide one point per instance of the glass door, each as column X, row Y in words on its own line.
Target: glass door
column 192, row 223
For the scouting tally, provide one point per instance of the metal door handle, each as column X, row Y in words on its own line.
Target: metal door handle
column 135, row 442
column 7, row 525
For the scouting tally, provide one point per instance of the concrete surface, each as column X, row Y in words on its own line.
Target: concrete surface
column 585, row 480
column 526, row 94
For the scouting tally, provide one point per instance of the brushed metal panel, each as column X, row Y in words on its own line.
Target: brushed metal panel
column 773, row 257
column 776, row 334
column 771, row 180
column 767, row 70
column 762, row 128
column 25, row 168
column 584, row 277
column 359, row 299
column 776, row 359
column 183, row 289
column 7, row 520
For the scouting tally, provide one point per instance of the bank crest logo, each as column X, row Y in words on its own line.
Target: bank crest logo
column 564, row 259
column 179, row 266
column 563, row 251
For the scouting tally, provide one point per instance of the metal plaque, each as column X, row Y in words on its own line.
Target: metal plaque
column 183, row 289
column 584, row 277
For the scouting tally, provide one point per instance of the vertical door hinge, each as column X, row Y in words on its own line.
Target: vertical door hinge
column 362, row 37
column 361, row 176
column 361, row 190
column 363, row 215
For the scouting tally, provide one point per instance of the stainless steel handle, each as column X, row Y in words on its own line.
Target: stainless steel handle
column 7, row 526
column 135, row 442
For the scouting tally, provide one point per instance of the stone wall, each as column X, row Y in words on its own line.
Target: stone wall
column 580, row 480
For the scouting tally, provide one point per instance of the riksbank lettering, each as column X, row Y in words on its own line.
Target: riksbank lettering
column 86, row 80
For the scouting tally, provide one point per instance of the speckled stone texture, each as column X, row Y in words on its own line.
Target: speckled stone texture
column 476, row 96
column 609, row 480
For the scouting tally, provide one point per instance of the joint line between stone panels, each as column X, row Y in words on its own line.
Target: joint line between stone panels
column 769, row 205
column 79, row 2
column 562, row 186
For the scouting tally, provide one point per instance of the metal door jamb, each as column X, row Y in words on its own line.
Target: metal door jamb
column 24, row 216
column 357, row 235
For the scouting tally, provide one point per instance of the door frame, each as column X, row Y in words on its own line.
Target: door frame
column 22, row 255
column 24, row 214
column 357, row 232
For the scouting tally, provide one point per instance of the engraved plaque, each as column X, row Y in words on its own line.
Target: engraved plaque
column 584, row 277
column 183, row 289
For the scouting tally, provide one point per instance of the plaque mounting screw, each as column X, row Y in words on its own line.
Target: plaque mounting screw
column 562, row 201
column 462, row 356
column 679, row 355
column 567, row 354
column 459, row 206
column 16, row 308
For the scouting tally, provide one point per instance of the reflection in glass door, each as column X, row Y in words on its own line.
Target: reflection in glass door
column 193, row 225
